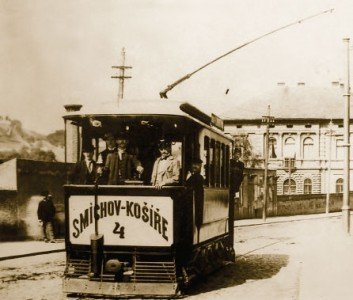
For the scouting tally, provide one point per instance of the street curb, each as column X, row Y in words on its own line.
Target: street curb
column 287, row 221
column 31, row 254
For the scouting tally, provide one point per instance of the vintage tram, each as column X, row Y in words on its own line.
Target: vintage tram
column 132, row 239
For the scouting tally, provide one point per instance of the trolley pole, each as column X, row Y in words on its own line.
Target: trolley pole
column 121, row 75
column 346, row 95
column 266, row 119
column 330, row 132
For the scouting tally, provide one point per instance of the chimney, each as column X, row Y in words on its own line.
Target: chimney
column 72, row 107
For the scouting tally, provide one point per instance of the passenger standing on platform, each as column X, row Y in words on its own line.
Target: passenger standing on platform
column 46, row 213
column 110, row 148
column 236, row 172
column 166, row 169
column 120, row 164
column 195, row 183
column 85, row 171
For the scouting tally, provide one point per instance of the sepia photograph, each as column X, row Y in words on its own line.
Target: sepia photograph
column 176, row 149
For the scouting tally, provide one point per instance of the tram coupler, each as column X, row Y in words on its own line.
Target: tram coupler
column 97, row 242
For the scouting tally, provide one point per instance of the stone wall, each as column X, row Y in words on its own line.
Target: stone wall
column 18, row 207
column 248, row 202
column 308, row 204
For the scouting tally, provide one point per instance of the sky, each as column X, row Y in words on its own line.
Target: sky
column 59, row 52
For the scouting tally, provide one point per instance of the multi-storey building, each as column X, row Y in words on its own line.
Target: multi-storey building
column 305, row 139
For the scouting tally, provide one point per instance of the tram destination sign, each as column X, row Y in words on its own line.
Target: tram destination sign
column 123, row 220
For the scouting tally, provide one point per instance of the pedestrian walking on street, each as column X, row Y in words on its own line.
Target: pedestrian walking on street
column 46, row 213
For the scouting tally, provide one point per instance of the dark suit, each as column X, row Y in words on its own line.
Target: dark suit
column 195, row 183
column 46, row 213
column 121, row 169
column 81, row 174
column 236, row 175
column 104, row 154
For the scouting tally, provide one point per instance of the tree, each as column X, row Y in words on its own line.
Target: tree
column 26, row 153
column 250, row 159
column 57, row 138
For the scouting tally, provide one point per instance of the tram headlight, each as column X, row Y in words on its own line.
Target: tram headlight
column 95, row 123
column 113, row 266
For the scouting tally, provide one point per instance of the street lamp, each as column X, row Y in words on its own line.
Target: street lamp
column 330, row 132
column 345, row 207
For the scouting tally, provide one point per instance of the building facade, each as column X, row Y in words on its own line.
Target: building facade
column 305, row 141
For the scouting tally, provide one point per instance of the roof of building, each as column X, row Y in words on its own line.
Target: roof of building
column 298, row 102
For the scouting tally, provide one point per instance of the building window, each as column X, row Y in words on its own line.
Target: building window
column 289, row 147
column 289, row 187
column 308, row 148
column 339, row 149
column 339, row 185
column 273, row 147
column 307, row 186
column 289, row 163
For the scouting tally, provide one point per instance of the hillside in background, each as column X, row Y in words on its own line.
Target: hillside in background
column 17, row 142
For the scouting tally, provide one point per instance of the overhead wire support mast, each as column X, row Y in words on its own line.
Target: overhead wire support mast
column 267, row 120
column 163, row 94
column 121, row 75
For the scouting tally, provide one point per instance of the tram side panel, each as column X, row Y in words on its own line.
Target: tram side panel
column 215, row 215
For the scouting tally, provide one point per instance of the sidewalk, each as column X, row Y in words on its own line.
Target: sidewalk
column 327, row 264
column 271, row 220
column 11, row 250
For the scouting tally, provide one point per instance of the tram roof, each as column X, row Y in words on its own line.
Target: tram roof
column 131, row 107
column 149, row 107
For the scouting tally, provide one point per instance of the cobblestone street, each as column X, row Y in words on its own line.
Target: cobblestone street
column 274, row 261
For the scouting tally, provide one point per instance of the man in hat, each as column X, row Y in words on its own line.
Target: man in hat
column 85, row 171
column 46, row 213
column 195, row 183
column 236, row 172
column 166, row 169
column 120, row 164
column 110, row 148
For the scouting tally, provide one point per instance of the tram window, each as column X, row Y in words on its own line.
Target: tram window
column 227, row 165
column 212, row 162
column 207, row 160
column 217, row 161
column 143, row 144
column 72, row 150
column 177, row 154
column 223, row 165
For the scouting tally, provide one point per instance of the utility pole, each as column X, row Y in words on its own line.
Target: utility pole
column 266, row 119
column 346, row 95
column 330, row 133
column 121, row 75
